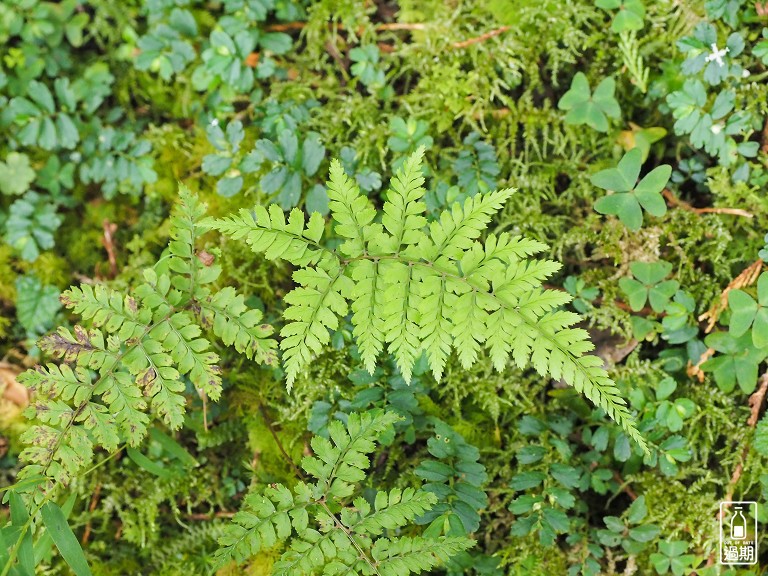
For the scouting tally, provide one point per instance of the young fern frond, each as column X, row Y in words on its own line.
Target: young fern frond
column 140, row 347
column 413, row 287
column 326, row 526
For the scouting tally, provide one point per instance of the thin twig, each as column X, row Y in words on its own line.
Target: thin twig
column 401, row 26
column 624, row 486
column 288, row 26
column 204, row 516
column 675, row 201
column 755, row 404
column 747, row 277
column 764, row 135
column 108, row 241
column 333, row 50
column 481, row 38
column 91, row 508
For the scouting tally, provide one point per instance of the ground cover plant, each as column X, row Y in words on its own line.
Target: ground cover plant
column 354, row 287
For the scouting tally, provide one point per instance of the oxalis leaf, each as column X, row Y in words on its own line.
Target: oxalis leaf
column 629, row 199
column 584, row 107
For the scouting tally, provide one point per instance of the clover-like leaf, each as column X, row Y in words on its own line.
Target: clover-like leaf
column 647, row 285
column 36, row 305
column 746, row 312
column 630, row 16
column 585, row 107
column 737, row 362
column 629, row 200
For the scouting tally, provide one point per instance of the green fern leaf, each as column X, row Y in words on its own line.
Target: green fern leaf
column 326, row 532
column 141, row 346
column 267, row 231
column 414, row 288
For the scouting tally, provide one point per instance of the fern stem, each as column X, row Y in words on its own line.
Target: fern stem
column 351, row 538
column 13, row 552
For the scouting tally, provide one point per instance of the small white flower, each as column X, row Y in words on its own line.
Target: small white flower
column 717, row 55
column 745, row 74
column 716, row 128
column 215, row 122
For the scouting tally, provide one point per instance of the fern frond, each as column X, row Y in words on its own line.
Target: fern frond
column 368, row 296
column 262, row 521
column 326, row 532
column 391, row 510
column 435, row 319
column 403, row 210
column 341, row 460
column 117, row 314
column 414, row 288
column 141, row 346
column 400, row 314
column 459, row 227
column 190, row 273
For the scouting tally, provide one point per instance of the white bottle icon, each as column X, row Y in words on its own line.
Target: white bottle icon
column 738, row 524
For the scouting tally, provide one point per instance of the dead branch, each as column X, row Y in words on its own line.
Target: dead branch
column 108, row 241
column 481, row 38
column 675, row 201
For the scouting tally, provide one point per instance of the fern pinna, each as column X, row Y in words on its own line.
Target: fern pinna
column 328, row 524
column 413, row 286
column 128, row 360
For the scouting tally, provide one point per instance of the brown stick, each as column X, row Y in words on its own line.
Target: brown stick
column 675, row 201
column 401, row 26
column 764, row 147
column 108, row 240
column 91, row 508
column 288, row 26
column 745, row 278
column 625, row 487
column 331, row 48
column 481, row 38
column 203, row 516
